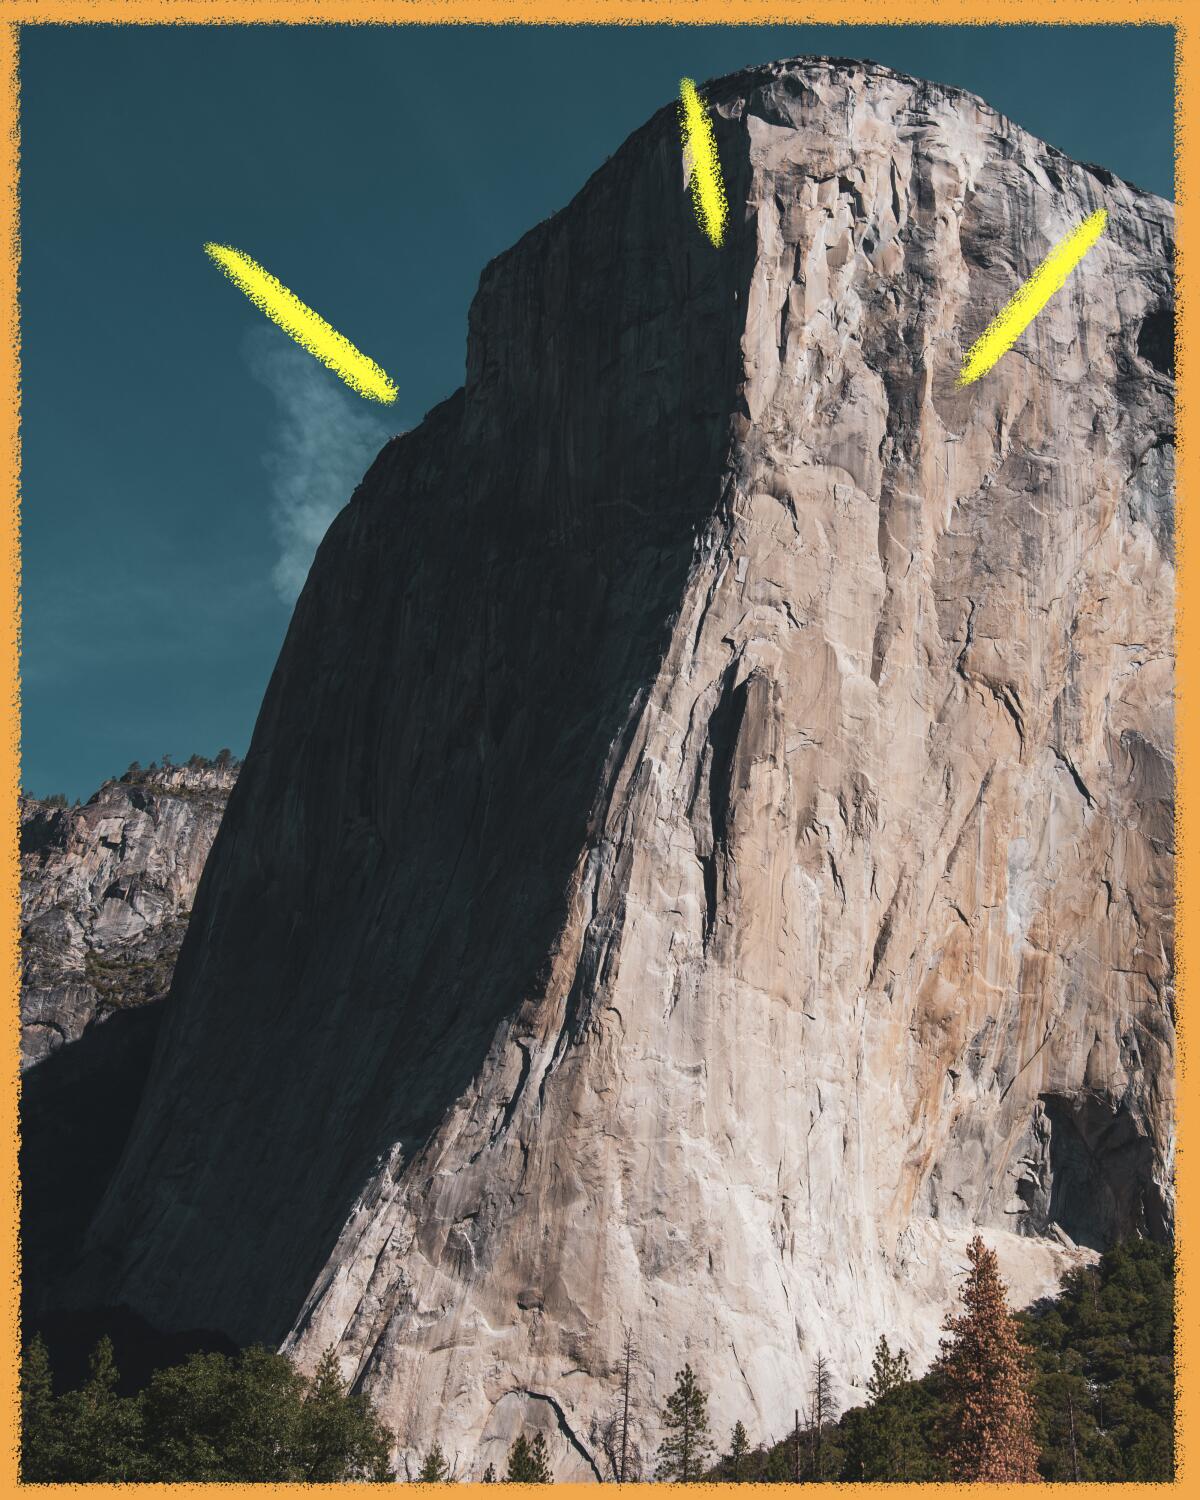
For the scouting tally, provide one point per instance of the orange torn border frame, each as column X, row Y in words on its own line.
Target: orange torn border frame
column 1182, row 15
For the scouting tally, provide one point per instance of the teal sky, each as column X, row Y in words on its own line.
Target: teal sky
column 180, row 456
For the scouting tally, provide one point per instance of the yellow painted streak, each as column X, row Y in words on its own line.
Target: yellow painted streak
column 708, row 189
column 308, row 328
column 1031, row 296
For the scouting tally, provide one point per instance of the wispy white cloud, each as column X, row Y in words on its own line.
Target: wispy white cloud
column 324, row 442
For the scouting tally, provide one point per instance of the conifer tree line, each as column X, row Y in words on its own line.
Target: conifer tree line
column 1078, row 1388
column 250, row 1418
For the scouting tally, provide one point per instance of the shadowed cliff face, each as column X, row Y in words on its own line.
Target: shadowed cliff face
column 479, row 622
column 106, row 891
column 707, row 843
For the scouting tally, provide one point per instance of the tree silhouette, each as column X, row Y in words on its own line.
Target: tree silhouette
column 100, row 1431
column 41, row 1437
column 613, row 1434
column 629, row 1354
column 211, row 1419
column 821, row 1412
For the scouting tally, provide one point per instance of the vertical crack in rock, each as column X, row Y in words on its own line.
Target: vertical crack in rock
column 566, row 1429
column 724, row 729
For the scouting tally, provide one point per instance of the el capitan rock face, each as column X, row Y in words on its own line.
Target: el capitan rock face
column 707, row 844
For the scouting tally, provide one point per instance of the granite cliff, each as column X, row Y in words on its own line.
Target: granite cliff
column 106, row 891
column 707, row 843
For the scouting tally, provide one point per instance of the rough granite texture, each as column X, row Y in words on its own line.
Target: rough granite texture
column 106, row 890
column 707, row 843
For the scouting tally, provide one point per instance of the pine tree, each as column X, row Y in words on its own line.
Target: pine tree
column 821, row 1412
column 100, row 1430
column 212, row 1419
column 541, row 1461
column 529, row 1463
column 434, row 1468
column 489, row 1474
column 40, row 1434
column 629, row 1354
column 258, row 1416
column 340, row 1436
column 1104, row 1352
column 883, row 1440
column 686, row 1447
column 518, row 1461
column 1074, row 1438
column 888, row 1371
column 779, row 1465
column 990, row 1420
column 739, row 1446
column 613, row 1435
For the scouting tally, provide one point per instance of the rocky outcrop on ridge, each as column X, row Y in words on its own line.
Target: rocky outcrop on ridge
column 106, row 891
column 707, row 843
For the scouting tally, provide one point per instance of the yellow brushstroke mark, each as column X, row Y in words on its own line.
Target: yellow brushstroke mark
column 708, row 190
column 308, row 328
column 1031, row 296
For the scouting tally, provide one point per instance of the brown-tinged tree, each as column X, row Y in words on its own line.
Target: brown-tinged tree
column 988, row 1432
